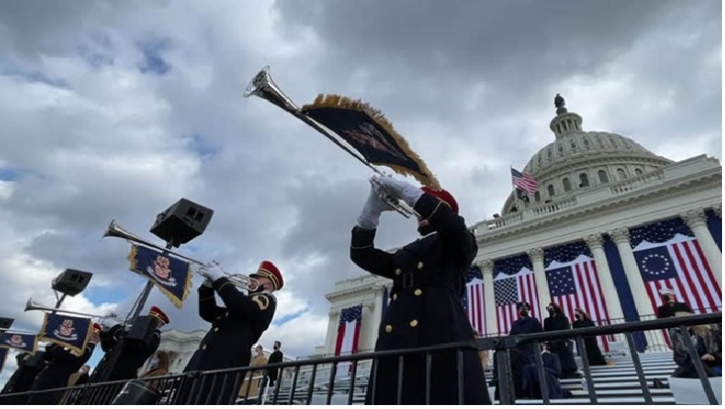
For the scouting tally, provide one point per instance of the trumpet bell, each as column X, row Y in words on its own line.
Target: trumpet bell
column 264, row 87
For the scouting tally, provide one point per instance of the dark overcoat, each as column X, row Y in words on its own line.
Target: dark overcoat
column 562, row 348
column 236, row 327
column 60, row 365
column 123, row 357
column 526, row 325
column 425, row 309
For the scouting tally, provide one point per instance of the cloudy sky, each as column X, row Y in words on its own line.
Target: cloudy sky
column 115, row 110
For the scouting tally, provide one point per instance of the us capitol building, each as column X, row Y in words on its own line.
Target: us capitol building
column 594, row 188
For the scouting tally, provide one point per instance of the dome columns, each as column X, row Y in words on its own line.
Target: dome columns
column 611, row 298
column 537, row 260
column 489, row 297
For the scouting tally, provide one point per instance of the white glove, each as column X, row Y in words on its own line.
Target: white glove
column 400, row 189
column 212, row 271
column 207, row 283
column 107, row 323
column 370, row 216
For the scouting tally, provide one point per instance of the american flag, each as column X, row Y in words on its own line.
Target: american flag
column 508, row 291
column 348, row 335
column 524, row 181
column 576, row 285
column 473, row 300
column 680, row 265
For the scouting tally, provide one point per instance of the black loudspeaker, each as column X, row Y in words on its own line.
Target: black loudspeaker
column 72, row 282
column 6, row 323
column 182, row 222
column 136, row 392
column 142, row 328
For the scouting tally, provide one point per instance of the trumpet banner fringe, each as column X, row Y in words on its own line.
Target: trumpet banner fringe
column 426, row 178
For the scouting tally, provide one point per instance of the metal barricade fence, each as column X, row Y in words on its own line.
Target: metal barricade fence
column 345, row 379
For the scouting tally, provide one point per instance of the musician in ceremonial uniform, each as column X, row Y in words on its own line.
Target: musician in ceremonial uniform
column 61, row 363
column 425, row 306
column 236, row 327
column 22, row 379
column 124, row 355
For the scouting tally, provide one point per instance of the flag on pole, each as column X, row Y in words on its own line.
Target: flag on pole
column 524, row 182
column 473, row 300
column 509, row 291
column 348, row 335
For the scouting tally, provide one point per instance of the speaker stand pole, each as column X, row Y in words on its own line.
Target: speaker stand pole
column 145, row 293
column 60, row 301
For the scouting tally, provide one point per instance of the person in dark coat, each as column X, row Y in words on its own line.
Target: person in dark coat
column 558, row 321
column 594, row 354
column 61, row 363
column 425, row 308
column 236, row 327
column 526, row 325
column 29, row 365
column 275, row 357
column 670, row 305
column 123, row 355
column 531, row 387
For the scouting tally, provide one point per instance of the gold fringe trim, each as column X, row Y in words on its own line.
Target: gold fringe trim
column 426, row 177
column 78, row 351
column 187, row 284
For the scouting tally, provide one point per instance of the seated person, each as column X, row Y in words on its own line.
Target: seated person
column 531, row 387
column 706, row 340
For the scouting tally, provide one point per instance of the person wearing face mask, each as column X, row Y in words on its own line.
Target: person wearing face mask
column 526, row 324
column 276, row 357
column 425, row 307
column 594, row 354
column 235, row 327
column 558, row 321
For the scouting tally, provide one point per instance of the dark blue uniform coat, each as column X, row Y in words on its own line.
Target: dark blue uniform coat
column 123, row 356
column 425, row 309
column 61, row 364
column 236, row 327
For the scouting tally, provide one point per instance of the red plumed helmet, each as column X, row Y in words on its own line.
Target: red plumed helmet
column 443, row 195
column 269, row 270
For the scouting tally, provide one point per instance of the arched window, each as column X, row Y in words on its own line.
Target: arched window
column 603, row 178
column 583, row 180
column 567, row 184
column 550, row 188
column 620, row 174
column 537, row 196
column 637, row 171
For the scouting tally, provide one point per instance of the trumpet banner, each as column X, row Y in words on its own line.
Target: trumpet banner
column 24, row 342
column 172, row 276
column 67, row 331
column 370, row 134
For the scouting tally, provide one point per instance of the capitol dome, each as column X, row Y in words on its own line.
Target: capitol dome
column 578, row 160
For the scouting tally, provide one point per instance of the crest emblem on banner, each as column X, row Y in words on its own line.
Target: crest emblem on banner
column 16, row 341
column 162, row 271
column 66, row 331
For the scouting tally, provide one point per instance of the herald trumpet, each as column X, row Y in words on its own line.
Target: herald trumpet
column 263, row 86
column 239, row 280
column 34, row 306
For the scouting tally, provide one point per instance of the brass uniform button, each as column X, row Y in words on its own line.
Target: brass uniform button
column 388, row 328
column 398, row 271
column 414, row 323
column 395, row 297
column 420, row 265
column 418, row 292
column 216, row 329
column 203, row 347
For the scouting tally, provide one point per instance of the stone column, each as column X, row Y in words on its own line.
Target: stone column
column 634, row 277
column 486, row 267
column 697, row 222
column 331, row 332
column 537, row 260
column 611, row 297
